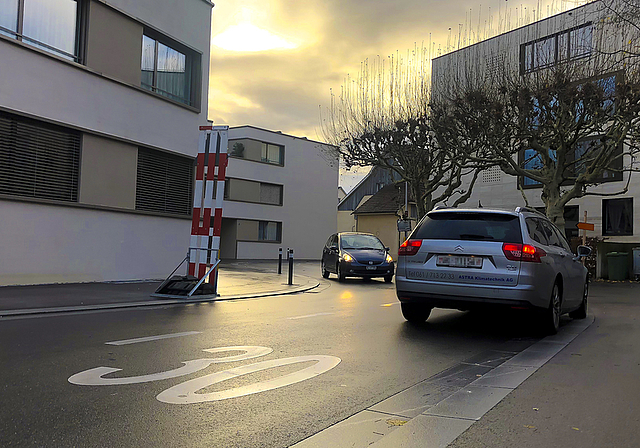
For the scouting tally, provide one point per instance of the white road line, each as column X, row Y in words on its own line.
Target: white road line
column 309, row 315
column 152, row 338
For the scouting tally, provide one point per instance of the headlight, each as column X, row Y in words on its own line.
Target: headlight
column 389, row 259
column 348, row 258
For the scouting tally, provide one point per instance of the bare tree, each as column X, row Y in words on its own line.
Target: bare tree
column 382, row 118
column 623, row 16
column 564, row 128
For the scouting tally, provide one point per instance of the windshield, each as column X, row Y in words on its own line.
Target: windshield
column 360, row 242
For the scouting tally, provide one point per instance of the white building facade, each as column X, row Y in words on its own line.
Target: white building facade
column 280, row 191
column 567, row 36
column 100, row 102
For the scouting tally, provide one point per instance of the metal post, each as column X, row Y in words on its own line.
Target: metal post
column 584, row 239
column 290, row 266
column 280, row 260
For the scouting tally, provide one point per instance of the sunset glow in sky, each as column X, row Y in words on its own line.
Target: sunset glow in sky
column 274, row 62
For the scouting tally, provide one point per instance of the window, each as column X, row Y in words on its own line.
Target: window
column 269, row 231
column 272, row 153
column 617, row 216
column 565, row 46
column 253, row 191
column 470, row 226
column 270, row 194
column 164, row 182
column 257, row 151
column 532, row 161
column 51, row 25
column 552, row 237
column 571, row 217
column 38, row 160
column 166, row 70
column 535, row 231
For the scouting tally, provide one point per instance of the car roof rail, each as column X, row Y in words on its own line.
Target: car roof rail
column 528, row 209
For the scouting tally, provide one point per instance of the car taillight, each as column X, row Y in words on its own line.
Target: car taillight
column 523, row 252
column 410, row 247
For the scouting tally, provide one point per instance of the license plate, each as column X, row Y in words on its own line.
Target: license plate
column 371, row 268
column 456, row 261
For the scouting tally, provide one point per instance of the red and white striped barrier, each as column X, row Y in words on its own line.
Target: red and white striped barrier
column 211, row 166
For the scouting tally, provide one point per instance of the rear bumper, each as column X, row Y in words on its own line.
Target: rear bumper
column 465, row 296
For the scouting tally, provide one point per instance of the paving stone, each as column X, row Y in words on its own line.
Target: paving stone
column 472, row 402
column 359, row 430
column 415, row 400
column 425, row 431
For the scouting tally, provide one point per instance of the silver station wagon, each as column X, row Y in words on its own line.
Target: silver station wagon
column 472, row 258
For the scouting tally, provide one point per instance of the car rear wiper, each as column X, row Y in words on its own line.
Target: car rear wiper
column 471, row 236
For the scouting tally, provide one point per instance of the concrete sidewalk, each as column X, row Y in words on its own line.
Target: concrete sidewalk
column 588, row 395
column 236, row 280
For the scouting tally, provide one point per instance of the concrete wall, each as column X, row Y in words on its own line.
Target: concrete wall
column 308, row 213
column 115, row 54
column 346, row 221
column 108, row 173
column 384, row 227
column 56, row 244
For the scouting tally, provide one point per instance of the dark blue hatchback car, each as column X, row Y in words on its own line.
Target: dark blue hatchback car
column 353, row 254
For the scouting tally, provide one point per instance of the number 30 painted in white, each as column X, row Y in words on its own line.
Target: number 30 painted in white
column 94, row 377
column 185, row 393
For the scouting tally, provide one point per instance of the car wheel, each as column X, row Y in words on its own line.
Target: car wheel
column 581, row 313
column 341, row 275
column 388, row 278
column 551, row 316
column 325, row 273
column 415, row 313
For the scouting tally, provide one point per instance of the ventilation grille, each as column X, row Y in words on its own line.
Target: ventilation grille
column 496, row 65
column 491, row 175
column 38, row 160
column 164, row 182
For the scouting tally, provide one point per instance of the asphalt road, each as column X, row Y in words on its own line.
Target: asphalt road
column 359, row 323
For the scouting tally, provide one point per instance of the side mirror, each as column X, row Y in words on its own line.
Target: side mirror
column 334, row 247
column 584, row 251
column 387, row 249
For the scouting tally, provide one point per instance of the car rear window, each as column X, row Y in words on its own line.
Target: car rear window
column 470, row 226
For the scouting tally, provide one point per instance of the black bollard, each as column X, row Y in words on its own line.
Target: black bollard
column 291, row 266
column 280, row 260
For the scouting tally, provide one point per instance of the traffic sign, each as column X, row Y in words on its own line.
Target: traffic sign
column 585, row 226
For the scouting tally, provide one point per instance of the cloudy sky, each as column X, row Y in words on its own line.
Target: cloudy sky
column 274, row 62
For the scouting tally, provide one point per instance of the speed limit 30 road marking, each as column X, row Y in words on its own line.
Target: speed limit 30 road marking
column 186, row 392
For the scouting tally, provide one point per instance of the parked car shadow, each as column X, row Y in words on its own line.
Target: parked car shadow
column 495, row 324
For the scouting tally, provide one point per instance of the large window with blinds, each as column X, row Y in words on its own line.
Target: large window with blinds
column 164, row 182
column 38, row 160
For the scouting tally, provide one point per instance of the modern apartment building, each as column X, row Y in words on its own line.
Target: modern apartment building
column 100, row 102
column 565, row 37
column 280, row 191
